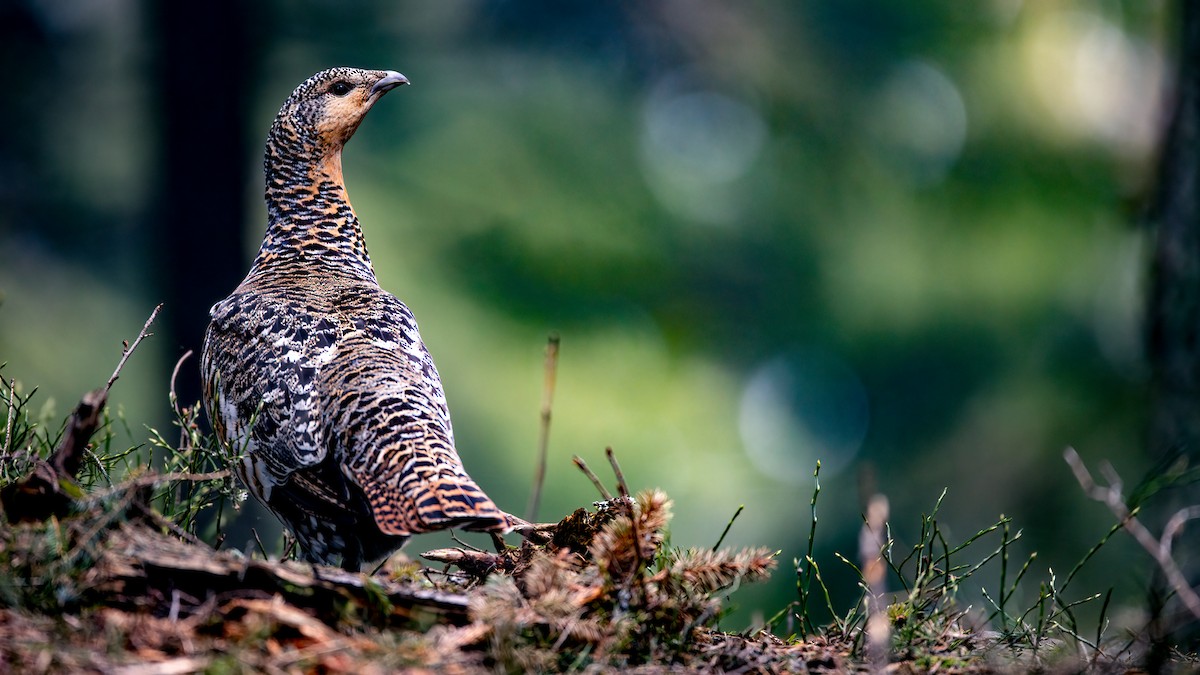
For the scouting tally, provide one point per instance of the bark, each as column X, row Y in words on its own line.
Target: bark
column 1173, row 314
column 1174, row 305
column 140, row 566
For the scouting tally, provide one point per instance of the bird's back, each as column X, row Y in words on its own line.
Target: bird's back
column 385, row 400
column 328, row 383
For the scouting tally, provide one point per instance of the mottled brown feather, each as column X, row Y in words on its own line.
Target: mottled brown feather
column 321, row 374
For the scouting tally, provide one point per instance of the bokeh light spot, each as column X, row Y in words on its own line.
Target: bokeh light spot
column 1095, row 80
column 695, row 144
column 802, row 407
column 919, row 122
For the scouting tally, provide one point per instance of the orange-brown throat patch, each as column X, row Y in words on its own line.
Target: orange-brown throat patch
column 342, row 117
column 330, row 169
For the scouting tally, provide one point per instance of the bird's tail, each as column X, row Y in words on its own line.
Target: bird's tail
column 431, row 500
column 459, row 504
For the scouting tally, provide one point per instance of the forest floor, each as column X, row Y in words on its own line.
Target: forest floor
column 112, row 588
column 111, row 575
column 109, row 584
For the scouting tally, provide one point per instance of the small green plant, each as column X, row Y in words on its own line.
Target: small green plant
column 927, row 626
column 195, row 472
column 24, row 439
column 27, row 438
column 192, row 473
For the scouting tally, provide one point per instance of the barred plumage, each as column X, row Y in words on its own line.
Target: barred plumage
column 322, row 375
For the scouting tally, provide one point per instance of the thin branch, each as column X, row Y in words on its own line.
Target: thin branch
column 872, row 546
column 153, row 480
column 551, row 375
column 261, row 548
column 1159, row 549
column 1174, row 526
column 464, row 544
column 12, row 406
column 740, row 508
column 592, row 477
column 180, row 413
column 127, row 349
column 175, row 375
column 622, row 486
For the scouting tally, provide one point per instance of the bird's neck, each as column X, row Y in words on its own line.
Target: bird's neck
column 310, row 223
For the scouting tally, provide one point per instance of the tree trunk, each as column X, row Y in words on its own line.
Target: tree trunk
column 1173, row 312
column 205, row 66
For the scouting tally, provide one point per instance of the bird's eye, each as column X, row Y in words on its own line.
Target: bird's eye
column 340, row 88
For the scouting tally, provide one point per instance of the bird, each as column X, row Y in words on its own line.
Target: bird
column 315, row 377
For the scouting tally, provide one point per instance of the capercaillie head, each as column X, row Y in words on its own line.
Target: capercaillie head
column 325, row 110
column 307, row 206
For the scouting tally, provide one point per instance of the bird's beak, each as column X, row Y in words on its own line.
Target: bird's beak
column 390, row 81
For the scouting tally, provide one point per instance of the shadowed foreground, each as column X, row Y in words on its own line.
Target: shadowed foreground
column 106, row 577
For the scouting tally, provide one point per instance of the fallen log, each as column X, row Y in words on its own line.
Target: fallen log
column 138, row 566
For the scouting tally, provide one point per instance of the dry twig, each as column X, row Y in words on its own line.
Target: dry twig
column 175, row 375
column 539, row 477
column 154, row 480
column 592, row 477
column 8, row 421
column 1159, row 549
column 40, row 494
column 622, row 486
column 127, row 349
column 740, row 508
column 871, row 549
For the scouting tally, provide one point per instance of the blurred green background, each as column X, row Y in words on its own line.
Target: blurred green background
column 900, row 236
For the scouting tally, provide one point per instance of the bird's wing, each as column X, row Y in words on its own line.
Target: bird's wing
column 393, row 424
column 261, row 363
